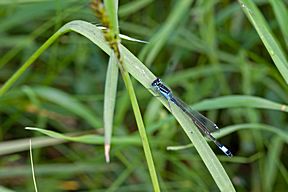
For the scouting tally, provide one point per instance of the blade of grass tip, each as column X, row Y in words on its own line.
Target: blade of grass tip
column 32, row 166
column 158, row 40
column 271, row 44
column 109, row 102
column 131, row 39
column 122, row 36
column 179, row 147
column 107, row 147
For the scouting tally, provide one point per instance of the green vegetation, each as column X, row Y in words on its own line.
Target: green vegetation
column 227, row 59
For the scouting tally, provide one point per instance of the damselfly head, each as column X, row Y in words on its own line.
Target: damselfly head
column 156, row 82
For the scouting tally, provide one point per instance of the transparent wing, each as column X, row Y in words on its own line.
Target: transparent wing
column 204, row 124
column 197, row 117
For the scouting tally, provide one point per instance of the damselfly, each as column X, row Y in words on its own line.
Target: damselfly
column 204, row 124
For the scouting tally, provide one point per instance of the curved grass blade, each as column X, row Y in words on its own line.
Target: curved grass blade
column 272, row 160
column 281, row 13
column 32, row 166
column 109, row 102
column 240, row 101
column 270, row 42
column 233, row 128
column 18, row 145
column 88, row 139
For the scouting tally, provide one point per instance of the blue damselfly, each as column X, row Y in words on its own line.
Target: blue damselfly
column 204, row 124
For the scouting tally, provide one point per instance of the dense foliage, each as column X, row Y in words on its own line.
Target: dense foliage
column 210, row 54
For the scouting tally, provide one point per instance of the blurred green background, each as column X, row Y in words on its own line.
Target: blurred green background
column 203, row 49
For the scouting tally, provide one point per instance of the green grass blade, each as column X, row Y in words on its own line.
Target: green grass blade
column 88, row 138
column 109, row 101
column 32, row 166
column 14, row 146
column 234, row 128
column 283, row 171
column 27, row 64
column 111, row 7
column 272, row 160
column 281, row 13
column 255, row 126
column 239, row 101
column 270, row 42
